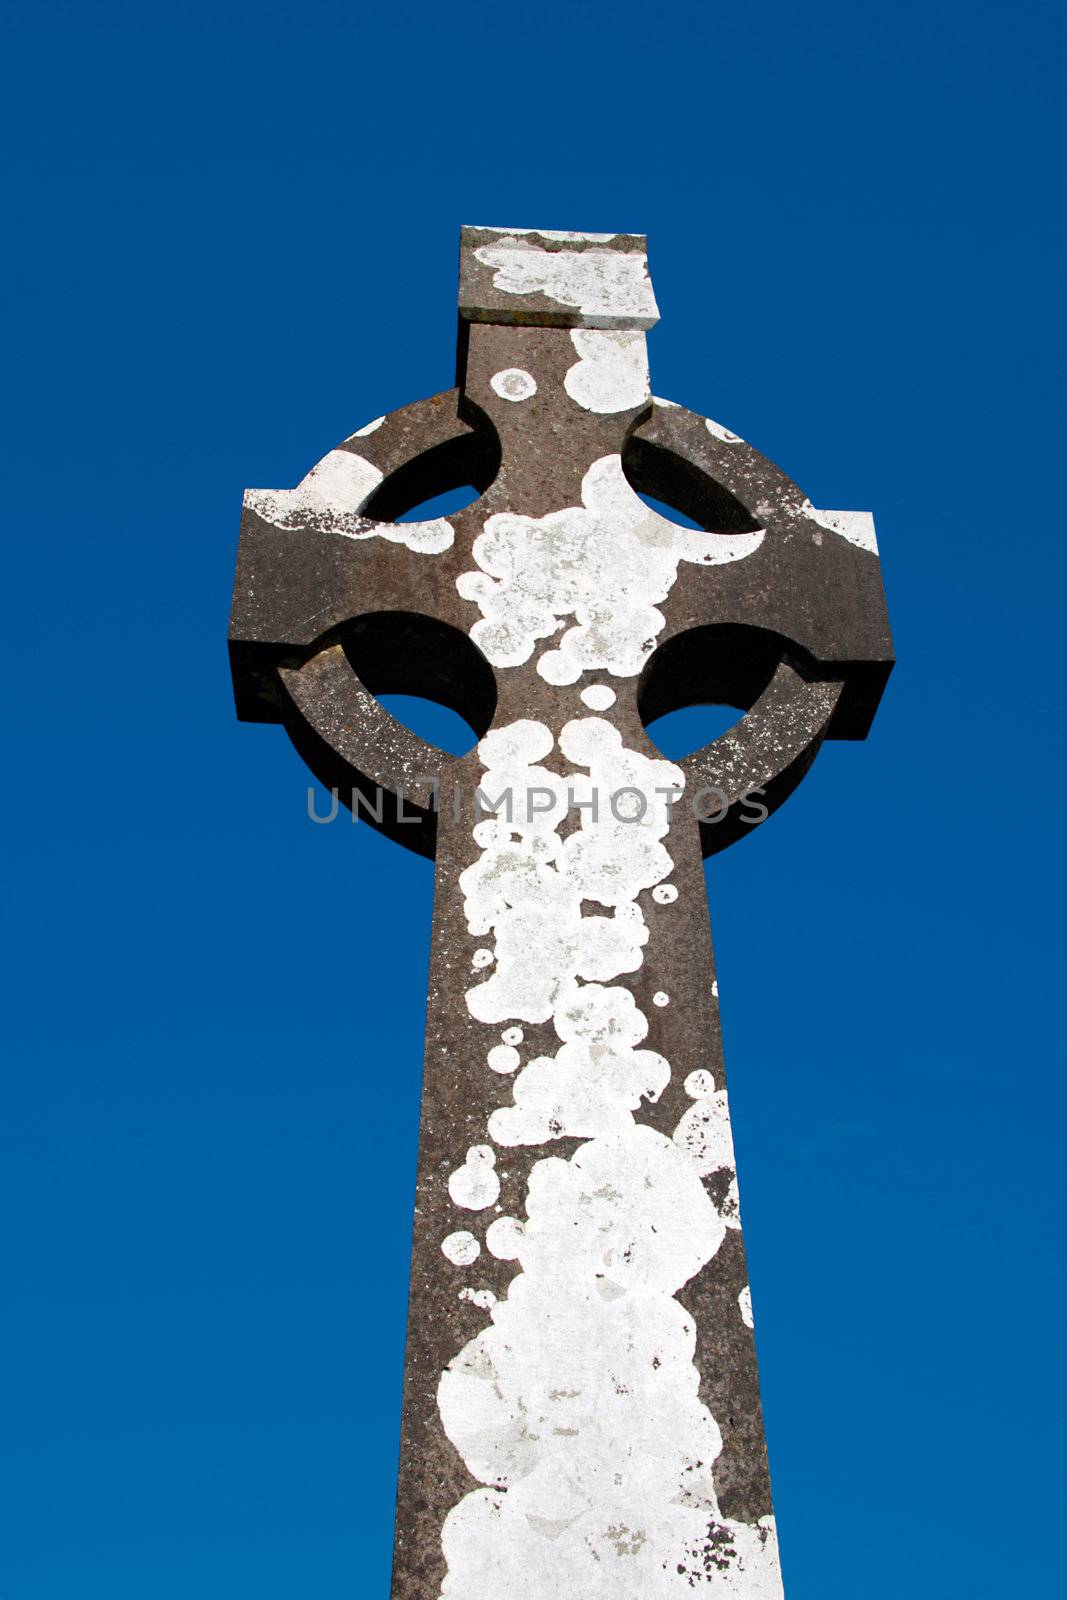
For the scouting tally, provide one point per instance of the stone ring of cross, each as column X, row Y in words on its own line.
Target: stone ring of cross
column 581, row 1410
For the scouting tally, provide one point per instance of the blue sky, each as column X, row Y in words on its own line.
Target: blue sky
column 232, row 240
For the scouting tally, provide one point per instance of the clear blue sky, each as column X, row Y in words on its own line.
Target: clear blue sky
column 231, row 239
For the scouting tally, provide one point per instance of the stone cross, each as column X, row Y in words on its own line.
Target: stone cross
column 581, row 1414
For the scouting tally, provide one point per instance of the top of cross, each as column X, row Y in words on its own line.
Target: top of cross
column 543, row 278
column 560, row 570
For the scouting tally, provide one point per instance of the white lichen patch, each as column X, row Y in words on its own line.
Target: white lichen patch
column 503, row 1237
column 484, row 1299
column 704, row 1131
column 512, row 1036
column 330, row 500
column 605, row 564
column 855, row 526
column 475, row 1184
column 482, row 958
column 661, row 998
column 612, row 374
column 503, row 1058
column 513, row 384
column 744, row 1305
column 719, row 432
column 528, row 886
column 595, row 1081
column 606, row 287
column 577, row 1408
column 554, row 233
column 598, row 697
column 461, row 1248
column 665, row 894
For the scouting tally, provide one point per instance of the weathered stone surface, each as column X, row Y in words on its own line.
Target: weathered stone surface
column 552, row 279
column 581, row 1406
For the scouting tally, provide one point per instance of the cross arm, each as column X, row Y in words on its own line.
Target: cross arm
column 815, row 581
column 311, row 559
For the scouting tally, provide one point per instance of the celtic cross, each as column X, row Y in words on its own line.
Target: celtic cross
column 581, row 1412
